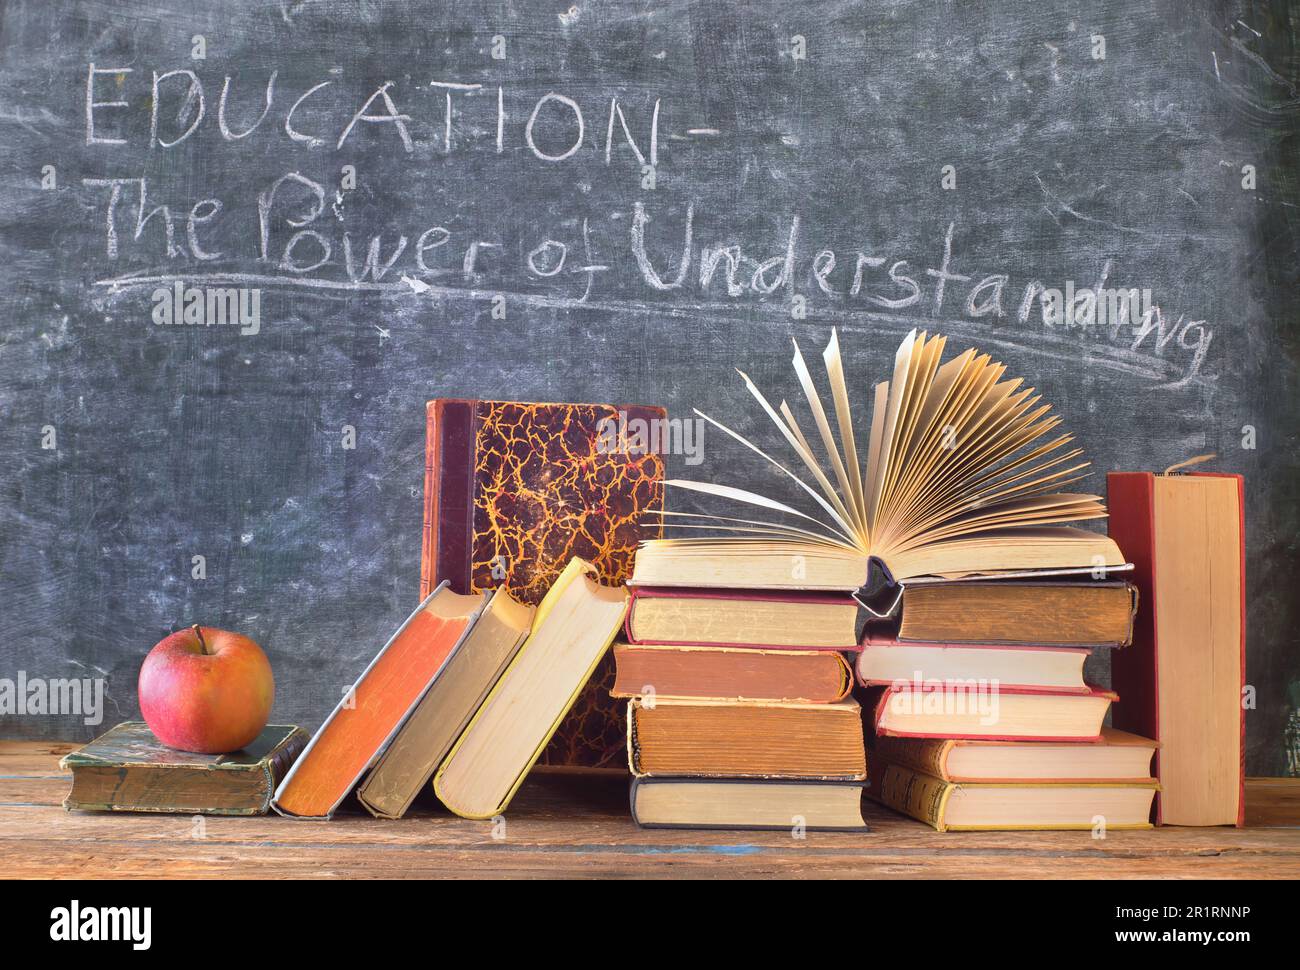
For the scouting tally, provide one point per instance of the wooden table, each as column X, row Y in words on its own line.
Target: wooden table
column 563, row 824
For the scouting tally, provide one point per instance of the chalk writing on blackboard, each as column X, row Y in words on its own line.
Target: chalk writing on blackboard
column 287, row 229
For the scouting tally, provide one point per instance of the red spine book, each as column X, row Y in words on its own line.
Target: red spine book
column 988, row 712
column 1187, row 546
column 1015, row 665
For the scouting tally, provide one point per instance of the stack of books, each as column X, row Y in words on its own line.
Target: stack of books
column 957, row 515
column 953, row 522
column 982, row 716
column 739, row 713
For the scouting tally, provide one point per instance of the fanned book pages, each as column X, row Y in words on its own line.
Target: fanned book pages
column 964, row 472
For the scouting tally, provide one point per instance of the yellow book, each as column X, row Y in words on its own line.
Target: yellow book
column 955, row 806
column 573, row 627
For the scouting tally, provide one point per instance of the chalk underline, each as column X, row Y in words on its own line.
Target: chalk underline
column 1114, row 357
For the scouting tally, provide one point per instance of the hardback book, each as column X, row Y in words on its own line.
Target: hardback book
column 1079, row 613
column 572, row 630
column 742, row 618
column 127, row 769
column 963, row 473
column 921, row 710
column 457, row 690
column 958, row 806
column 885, row 660
column 808, row 676
column 728, row 739
column 514, row 490
column 1182, row 680
column 734, row 803
column 1117, row 757
column 369, row 714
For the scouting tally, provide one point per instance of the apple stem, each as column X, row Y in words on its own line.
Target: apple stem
column 198, row 632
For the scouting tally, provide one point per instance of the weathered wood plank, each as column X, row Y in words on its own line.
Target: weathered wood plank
column 110, row 858
column 543, row 830
column 564, row 824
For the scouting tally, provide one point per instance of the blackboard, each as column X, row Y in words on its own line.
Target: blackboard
column 612, row 201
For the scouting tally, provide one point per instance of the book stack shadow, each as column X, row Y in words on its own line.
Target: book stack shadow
column 740, row 712
column 979, row 714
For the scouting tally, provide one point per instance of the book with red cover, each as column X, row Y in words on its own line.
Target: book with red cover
column 1195, row 593
column 787, row 628
column 885, row 660
column 994, row 713
column 515, row 490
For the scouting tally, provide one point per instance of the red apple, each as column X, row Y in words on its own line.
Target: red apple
column 206, row 690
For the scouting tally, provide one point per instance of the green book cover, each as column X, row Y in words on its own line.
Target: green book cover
column 129, row 770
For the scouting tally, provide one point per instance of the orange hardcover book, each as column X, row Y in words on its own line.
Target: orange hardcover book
column 369, row 715
column 723, row 673
column 729, row 739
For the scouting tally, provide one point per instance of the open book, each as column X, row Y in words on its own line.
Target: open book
column 962, row 475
